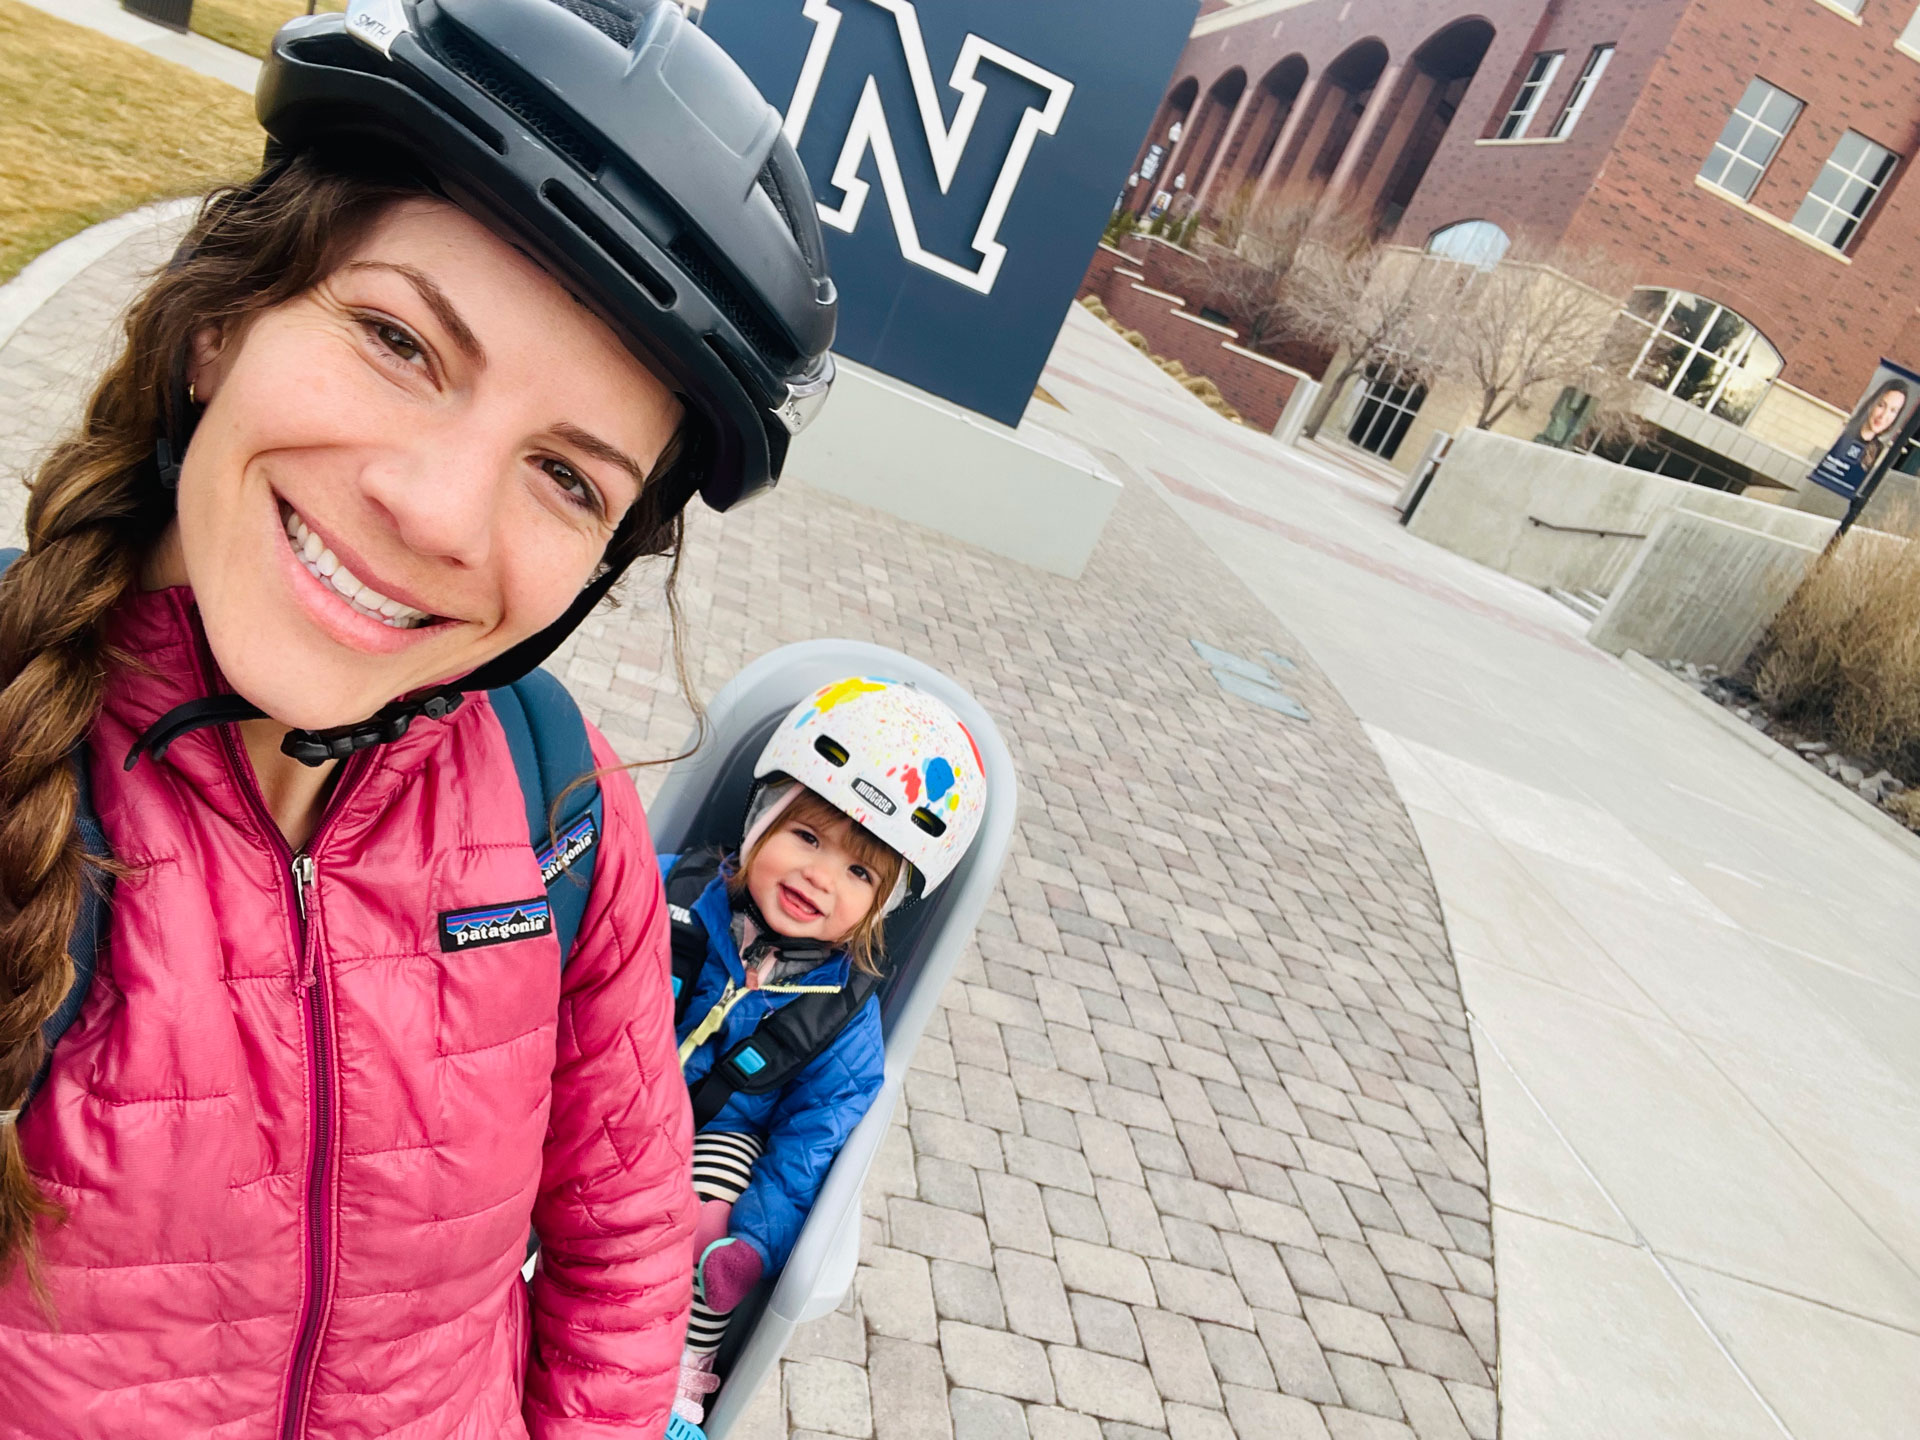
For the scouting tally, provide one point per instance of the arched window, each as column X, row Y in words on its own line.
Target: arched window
column 1699, row 351
column 1479, row 243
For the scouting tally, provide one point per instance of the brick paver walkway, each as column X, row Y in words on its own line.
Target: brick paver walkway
column 1194, row 1146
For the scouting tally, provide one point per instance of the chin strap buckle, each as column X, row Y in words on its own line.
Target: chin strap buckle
column 309, row 747
column 317, row 747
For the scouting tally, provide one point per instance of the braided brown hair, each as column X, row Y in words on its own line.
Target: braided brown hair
column 95, row 510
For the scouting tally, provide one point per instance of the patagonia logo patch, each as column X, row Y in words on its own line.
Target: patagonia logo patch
column 873, row 795
column 494, row 924
column 573, row 842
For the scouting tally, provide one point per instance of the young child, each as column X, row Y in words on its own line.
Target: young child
column 865, row 799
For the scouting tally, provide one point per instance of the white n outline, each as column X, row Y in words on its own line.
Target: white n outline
column 870, row 131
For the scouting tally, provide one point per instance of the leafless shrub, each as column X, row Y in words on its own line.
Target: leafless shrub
column 1242, row 268
column 1373, row 305
column 1540, row 321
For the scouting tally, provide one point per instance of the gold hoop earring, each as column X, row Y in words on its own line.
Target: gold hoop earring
column 192, row 399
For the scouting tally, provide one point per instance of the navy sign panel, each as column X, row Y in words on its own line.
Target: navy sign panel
column 965, row 154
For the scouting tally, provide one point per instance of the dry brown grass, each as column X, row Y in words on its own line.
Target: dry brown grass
column 91, row 127
column 1843, row 658
column 249, row 24
column 1904, row 807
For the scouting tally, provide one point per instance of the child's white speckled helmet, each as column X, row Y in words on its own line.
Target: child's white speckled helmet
column 894, row 760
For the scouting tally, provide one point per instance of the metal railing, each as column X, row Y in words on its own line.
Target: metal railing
column 1585, row 530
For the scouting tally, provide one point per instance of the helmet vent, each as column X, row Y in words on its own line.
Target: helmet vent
column 929, row 822
column 727, row 298
column 612, row 20
column 518, row 97
column 770, row 183
column 832, row 749
column 584, row 220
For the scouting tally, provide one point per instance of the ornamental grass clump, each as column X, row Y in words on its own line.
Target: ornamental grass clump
column 1842, row 659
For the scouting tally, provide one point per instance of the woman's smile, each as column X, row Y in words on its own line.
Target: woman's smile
column 353, row 619
column 325, row 566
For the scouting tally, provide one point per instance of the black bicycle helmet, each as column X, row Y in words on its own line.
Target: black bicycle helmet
column 625, row 150
column 631, row 155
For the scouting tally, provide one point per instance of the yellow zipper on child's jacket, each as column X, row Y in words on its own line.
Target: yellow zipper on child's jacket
column 711, row 1022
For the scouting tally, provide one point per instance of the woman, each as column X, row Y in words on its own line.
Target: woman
column 1878, row 424
column 448, row 365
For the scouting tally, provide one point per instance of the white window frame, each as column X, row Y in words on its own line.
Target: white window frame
column 1731, row 361
column 1396, row 394
column 1909, row 41
column 1541, row 71
column 1824, row 208
column 1590, row 74
column 1485, row 246
column 1734, row 152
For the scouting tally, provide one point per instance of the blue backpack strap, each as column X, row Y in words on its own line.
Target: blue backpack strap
column 89, row 929
column 548, row 740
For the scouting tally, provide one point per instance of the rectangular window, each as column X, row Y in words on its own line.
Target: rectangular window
column 1910, row 37
column 1582, row 90
column 1852, row 7
column 1849, row 183
column 1532, row 89
column 1752, row 138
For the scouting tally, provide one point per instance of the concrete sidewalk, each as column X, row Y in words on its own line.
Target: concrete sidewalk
column 1694, row 984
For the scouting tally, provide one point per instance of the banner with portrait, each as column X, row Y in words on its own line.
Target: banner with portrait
column 1887, row 415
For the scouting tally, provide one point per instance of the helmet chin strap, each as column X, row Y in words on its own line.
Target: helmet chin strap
column 390, row 722
column 309, row 747
column 815, row 952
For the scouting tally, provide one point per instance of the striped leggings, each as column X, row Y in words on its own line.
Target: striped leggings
column 722, row 1165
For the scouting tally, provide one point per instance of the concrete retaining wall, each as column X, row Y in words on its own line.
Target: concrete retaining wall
column 1522, row 508
column 1701, row 589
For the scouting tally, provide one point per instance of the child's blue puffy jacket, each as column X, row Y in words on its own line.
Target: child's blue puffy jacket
column 805, row 1123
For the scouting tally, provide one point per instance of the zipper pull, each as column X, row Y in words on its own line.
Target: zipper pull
column 302, row 878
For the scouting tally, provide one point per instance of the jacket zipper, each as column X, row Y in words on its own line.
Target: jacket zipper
column 320, row 1061
column 301, row 873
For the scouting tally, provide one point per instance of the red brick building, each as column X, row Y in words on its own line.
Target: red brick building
column 1746, row 160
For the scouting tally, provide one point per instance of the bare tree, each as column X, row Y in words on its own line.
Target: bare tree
column 1242, row 269
column 1374, row 306
column 1541, row 320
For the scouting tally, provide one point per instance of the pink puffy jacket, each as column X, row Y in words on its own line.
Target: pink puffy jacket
column 301, row 1156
